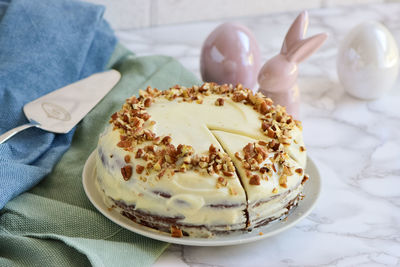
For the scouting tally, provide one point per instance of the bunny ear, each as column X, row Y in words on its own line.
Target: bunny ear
column 296, row 32
column 306, row 48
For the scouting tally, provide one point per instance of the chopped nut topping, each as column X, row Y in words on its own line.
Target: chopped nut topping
column 238, row 97
column 212, row 149
column 126, row 172
column 273, row 167
column 166, row 140
column 274, row 145
column 149, row 165
column 149, row 148
column 187, row 160
column 238, row 156
column 283, row 181
column 147, row 102
column 125, row 143
column 133, row 100
column 287, row 171
column 232, row 191
column 135, row 129
column 127, row 158
column 161, row 174
column 271, row 133
column 264, row 108
column 305, row 178
column 255, row 180
column 246, row 165
column 145, row 116
column 262, row 143
column 221, row 182
column 139, row 153
column 157, row 166
column 275, row 190
column 228, row 174
column 302, row 149
column 249, row 148
column 149, row 135
column 299, row 171
column 266, row 169
column 264, row 126
column 137, row 122
column 139, row 169
column 203, row 164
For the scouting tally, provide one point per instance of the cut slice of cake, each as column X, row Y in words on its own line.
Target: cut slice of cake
column 272, row 180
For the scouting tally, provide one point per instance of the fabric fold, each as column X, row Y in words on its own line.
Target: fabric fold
column 44, row 45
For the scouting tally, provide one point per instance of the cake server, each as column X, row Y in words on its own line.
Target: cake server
column 60, row 110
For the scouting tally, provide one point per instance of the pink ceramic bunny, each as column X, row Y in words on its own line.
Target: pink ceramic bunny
column 278, row 77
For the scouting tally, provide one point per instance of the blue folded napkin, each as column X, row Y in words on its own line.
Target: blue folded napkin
column 44, row 45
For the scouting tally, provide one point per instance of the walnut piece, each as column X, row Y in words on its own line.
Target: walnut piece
column 126, row 172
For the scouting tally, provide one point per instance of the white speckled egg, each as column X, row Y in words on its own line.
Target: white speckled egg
column 368, row 61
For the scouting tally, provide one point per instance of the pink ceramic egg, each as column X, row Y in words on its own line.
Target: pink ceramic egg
column 230, row 54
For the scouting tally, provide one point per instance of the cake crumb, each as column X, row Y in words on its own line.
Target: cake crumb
column 219, row 102
column 176, row 232
column 232, row 191
column 260, row 233
column 111, row 208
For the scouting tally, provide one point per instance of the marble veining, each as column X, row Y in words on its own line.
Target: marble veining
column 355, row 144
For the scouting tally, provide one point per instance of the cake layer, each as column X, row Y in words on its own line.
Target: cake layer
column 163, row 223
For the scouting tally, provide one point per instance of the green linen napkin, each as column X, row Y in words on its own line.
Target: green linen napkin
column 54, row 224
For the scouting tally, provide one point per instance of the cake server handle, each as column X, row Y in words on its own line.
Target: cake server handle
column 7, row 135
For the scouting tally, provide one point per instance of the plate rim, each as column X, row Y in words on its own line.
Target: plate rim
column 124, row 222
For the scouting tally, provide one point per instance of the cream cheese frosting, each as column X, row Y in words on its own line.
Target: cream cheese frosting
column 190, row 195
column 206, row 159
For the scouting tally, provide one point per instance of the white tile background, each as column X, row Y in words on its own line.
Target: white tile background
column 131, row 14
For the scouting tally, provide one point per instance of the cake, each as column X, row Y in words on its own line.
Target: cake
column 201, row 161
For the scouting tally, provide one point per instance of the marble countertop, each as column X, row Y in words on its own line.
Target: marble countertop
column 355, row 143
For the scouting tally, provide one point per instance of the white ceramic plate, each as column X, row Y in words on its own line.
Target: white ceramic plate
column 311, row 191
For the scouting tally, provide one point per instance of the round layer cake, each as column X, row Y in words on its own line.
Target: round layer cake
column 201, row 161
